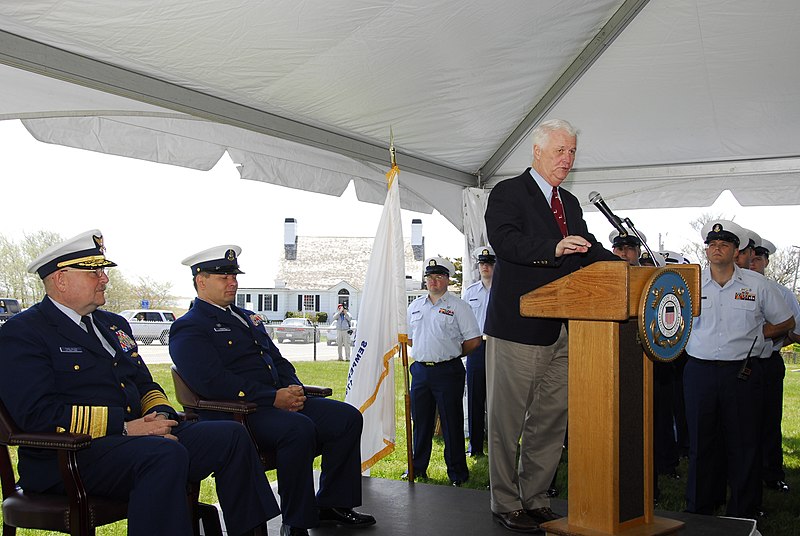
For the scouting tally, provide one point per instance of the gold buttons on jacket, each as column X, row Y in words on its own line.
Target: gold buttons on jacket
column 76, row 367
column 241, row 394
column 230, row 343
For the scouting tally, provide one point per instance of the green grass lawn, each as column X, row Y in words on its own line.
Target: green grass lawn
column 783, row 509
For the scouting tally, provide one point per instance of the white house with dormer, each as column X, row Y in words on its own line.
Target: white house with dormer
column 317, row 273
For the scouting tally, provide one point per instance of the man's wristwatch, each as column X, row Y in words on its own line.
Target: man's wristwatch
column 125, row 428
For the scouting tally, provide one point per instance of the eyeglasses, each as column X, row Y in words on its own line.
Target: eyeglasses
column 98, row 272
column 437, row 277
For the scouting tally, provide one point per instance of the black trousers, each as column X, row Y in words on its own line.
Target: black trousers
column 723, row 409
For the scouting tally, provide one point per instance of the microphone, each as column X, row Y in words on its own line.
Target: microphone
column 597, row 200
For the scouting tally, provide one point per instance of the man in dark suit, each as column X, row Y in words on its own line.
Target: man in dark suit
column 67, row 366
column 224, row 352
column 538, row 235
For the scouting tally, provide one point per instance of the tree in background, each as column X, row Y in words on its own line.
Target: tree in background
column 457, row 278
column 16, row 282
column 782, row 266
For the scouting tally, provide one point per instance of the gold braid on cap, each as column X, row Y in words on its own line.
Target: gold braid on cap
column 97, row 261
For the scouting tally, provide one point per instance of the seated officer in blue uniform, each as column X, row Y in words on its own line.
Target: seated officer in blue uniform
column 224, row 352
column 67, row 366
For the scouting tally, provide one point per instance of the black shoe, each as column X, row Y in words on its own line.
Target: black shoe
column 456, row 483
column 517, row 521
column 417, row 476
column 345, row 516
column 286, row 530
column 777, row 485
column 475, row 454
column 543, row 514
column 551, row 492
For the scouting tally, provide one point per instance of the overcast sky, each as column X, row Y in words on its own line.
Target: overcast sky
column 154, row 215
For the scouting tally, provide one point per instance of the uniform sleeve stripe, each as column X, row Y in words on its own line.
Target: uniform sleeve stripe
column 92, row 420
column 152, row 399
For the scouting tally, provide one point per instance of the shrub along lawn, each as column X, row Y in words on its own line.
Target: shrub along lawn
column 782, row 509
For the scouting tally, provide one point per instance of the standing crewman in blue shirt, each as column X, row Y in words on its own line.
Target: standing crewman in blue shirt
column 477, row 297
column 442, row 328
column 723, row 377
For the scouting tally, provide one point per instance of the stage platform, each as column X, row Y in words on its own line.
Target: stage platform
column 404, row 509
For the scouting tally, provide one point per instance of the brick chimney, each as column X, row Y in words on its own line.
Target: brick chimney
column 417, row 240
column 290, row 239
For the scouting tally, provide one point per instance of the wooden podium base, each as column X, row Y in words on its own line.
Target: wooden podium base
column 660, row 525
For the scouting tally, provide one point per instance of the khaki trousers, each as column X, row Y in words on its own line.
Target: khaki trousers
column 527, row 405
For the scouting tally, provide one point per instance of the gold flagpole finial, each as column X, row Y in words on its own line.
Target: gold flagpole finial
column 392, row 153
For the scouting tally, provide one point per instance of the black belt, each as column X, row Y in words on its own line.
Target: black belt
column 433, row 364
column 717, row 362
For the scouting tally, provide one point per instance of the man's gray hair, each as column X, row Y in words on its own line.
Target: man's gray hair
column 543, row 130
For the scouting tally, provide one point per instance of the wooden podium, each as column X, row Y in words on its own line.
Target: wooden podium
column 610, row 397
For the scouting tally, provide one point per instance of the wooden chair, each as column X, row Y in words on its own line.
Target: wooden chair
column 76, row 512
column 238, row 409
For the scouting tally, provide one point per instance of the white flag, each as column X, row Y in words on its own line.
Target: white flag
column 381, row 325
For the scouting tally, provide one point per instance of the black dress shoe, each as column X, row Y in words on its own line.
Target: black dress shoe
column 286, row 530
column 475, row 454
column 456, row 483
column 518, row 521
column 543, row 514
column 551, row 492
column 345, row 516
column 777, row 485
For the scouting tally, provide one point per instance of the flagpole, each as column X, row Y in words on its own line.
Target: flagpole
column 407, row 397
column 403, row 340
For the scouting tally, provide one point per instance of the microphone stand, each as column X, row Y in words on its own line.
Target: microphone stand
column 657, row 259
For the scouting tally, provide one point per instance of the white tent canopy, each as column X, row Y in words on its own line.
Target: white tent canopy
column 676, row 100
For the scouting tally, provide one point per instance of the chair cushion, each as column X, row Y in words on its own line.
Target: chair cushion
column 51, row 512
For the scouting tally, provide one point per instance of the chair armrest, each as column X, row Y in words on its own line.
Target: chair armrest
column 50, row 440
column 317, row 391
column 237, row 407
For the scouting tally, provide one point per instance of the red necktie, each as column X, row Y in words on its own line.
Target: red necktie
column 558, row 212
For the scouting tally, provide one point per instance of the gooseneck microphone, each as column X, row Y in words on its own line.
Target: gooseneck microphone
column 597, row 200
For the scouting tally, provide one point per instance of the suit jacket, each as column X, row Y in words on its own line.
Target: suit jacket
column 221, row 358
column 523, row 232
column 55, row 377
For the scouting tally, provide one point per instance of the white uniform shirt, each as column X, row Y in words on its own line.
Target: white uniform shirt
column 477, row 297
column 733, row 316
column 794, row 307
column 437, row 330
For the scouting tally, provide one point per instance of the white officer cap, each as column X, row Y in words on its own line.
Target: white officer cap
column 619, row 240
column 217, row 260
column 438, row 265
column 765, row 248
column 672, row 257
column 484, row 254
column 751, row 239
column 723, row 230
column 83, row 252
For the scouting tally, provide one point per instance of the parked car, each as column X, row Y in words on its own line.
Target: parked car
column 149, row 325
column 8, row 308
column 296, row 329
column 331, row 333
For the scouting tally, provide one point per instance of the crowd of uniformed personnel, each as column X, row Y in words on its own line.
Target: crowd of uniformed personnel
column 68, row 366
